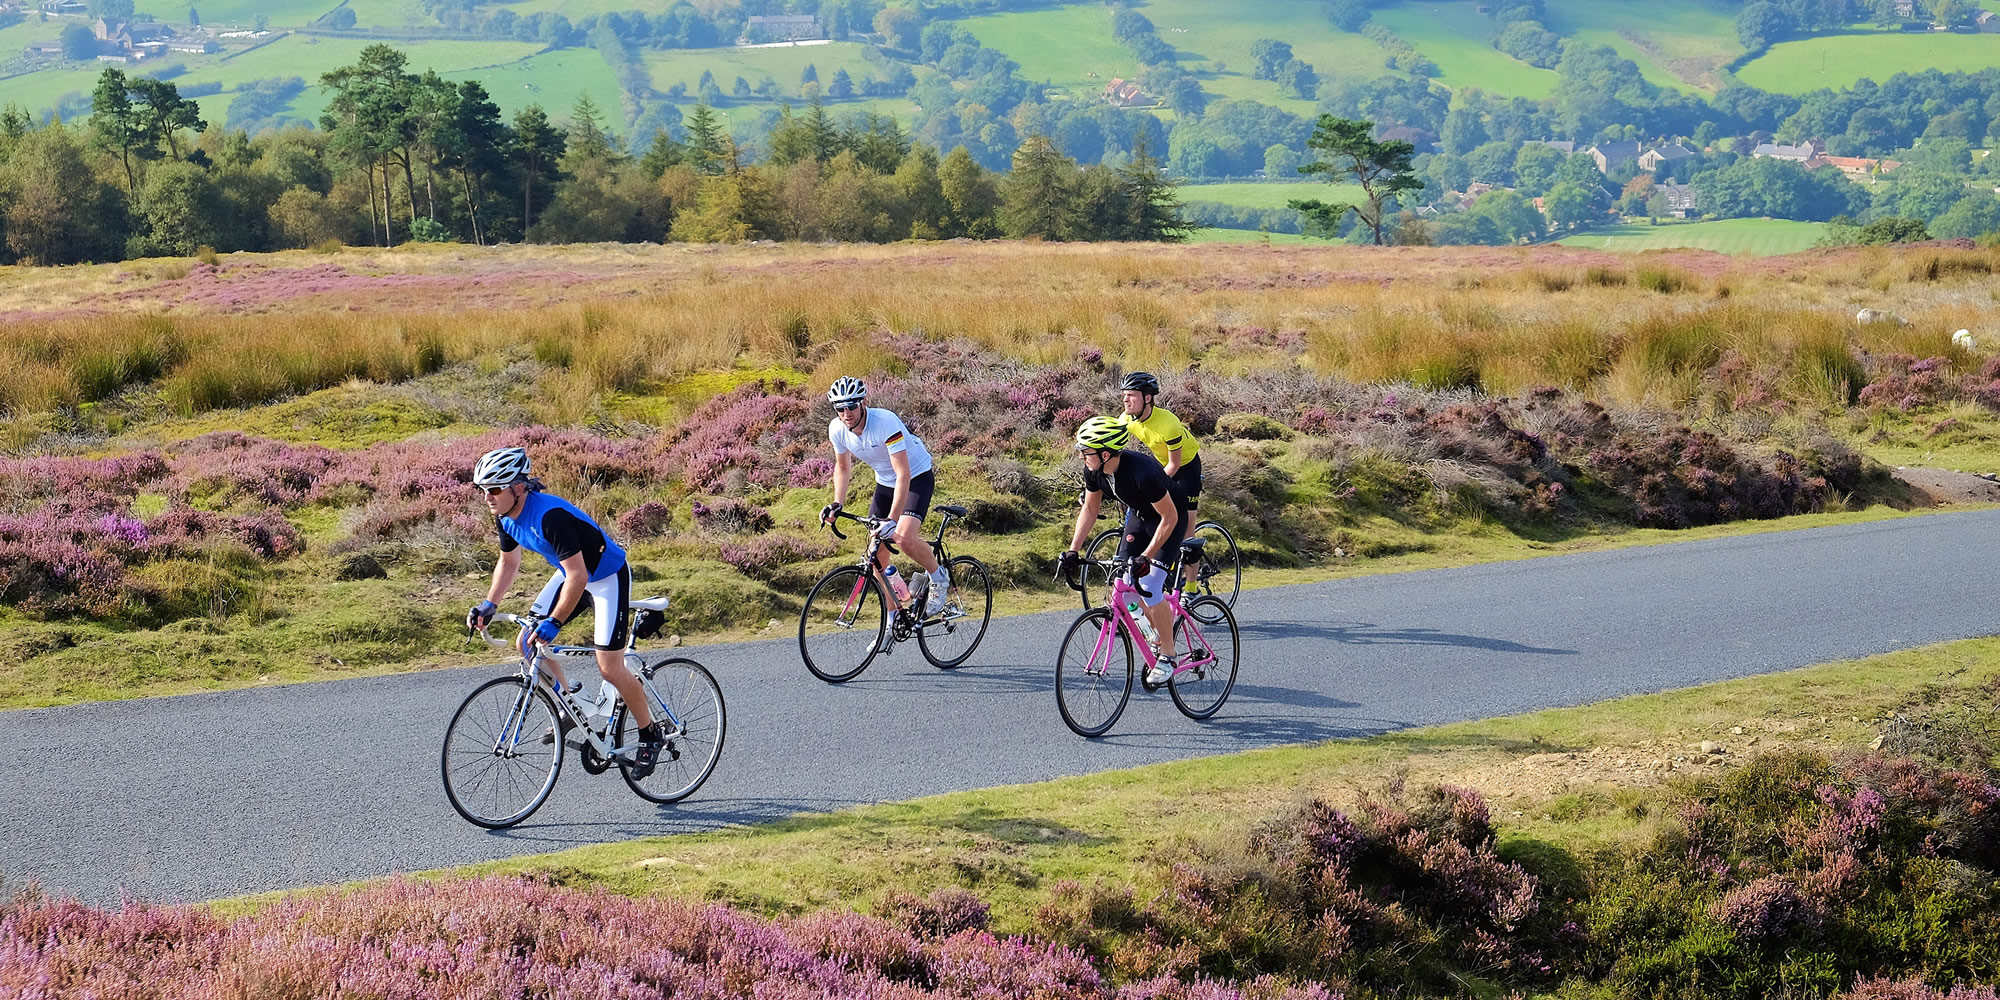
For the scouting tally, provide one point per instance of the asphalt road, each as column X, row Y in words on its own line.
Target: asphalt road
column 213, row 795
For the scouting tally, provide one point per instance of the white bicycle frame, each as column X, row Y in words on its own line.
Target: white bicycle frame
column 579, row 714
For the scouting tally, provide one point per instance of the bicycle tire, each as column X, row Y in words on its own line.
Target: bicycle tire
column 1192, row 689
column 828, row 623
column 972, row 592
column 1094, row 574
column 1092, row 688
column 696, row 699
column 483, row 719
column 1221, row 573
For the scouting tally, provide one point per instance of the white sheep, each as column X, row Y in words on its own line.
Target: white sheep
column 1963, row 338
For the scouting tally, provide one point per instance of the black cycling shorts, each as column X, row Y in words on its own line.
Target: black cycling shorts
column 1189, row 476
column 921, row 488
column 1138, row 533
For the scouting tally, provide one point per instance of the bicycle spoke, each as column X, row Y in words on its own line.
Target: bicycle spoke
column 843, row 624
column 496, row 770
column 685, row 692
column 1093, row 674
column 1208, row 626
column 949, row 640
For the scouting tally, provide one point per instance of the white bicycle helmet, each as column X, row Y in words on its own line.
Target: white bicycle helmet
column 846, row 389
column 501, row 467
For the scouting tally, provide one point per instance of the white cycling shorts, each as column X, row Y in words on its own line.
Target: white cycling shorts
column 610, row 602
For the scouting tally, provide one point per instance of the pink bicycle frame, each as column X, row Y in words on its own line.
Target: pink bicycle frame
column 1120, row 618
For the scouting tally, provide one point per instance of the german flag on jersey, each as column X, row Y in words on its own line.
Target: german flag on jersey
column 893, row 438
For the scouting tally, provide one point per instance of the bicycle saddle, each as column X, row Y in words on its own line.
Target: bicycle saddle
column 952, row 510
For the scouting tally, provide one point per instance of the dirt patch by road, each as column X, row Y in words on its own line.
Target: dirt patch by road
column 1945, row 487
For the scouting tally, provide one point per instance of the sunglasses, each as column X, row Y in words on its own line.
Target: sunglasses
column 494, row 491
column 844, row 407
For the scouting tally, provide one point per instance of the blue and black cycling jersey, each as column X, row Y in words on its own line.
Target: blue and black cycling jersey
column 556, row 529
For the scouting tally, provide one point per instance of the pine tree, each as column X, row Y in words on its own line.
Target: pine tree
column 704, row 140
column 1039, row 196
column 1153, row 209
column 664, row 153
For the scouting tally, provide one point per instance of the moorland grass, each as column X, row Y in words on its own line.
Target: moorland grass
column 1032, row 304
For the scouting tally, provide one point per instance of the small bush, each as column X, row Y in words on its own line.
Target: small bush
column 765, row 556
column 648, row 520
column 1604, row 277
column 1251, row 427
column 730, row 516
column 1663, row 280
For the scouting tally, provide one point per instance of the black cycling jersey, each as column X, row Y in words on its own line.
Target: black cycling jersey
column 1139, row 483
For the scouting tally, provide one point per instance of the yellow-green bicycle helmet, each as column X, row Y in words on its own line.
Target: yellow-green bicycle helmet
column 1102, row 434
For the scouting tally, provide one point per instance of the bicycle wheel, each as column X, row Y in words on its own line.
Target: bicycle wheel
column 1095, row 574
column 687, row 690
column 1221, row 572
column 952, row 636
column 844, row 624
column 502, row 752
column 1200, row 691
column 1092, row 686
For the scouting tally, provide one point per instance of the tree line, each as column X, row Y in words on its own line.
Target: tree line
column 406, row 156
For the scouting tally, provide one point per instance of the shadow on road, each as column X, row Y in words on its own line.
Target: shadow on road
column 973, row 678
column 1369, row 634
column 690, row 816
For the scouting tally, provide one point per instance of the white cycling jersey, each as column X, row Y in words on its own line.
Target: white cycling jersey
column 882, row 434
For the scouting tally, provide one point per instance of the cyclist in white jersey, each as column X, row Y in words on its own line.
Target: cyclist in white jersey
column 903, row 479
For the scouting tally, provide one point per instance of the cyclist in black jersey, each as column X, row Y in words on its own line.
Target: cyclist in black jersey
column 1156, row 519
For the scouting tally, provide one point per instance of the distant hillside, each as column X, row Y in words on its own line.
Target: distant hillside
column 548, row 52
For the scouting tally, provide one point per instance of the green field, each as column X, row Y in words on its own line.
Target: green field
column 1683, row 45
column 553, row 80
column 1246, row 236
column 1837, row 61
column 1755, row 237
column 280, row 13
column 395, row 14
column 781, row 64
column 1456, row 37
column 1271, row 195
column 1063, row 46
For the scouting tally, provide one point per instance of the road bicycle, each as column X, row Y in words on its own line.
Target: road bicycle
column 1218, row 571
column 851, row 615
column 1094, row 665
column 504, row 746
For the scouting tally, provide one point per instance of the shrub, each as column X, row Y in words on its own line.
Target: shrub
column 730, row 516
column 764, row 556
column 648, row 520
column 1251, row 427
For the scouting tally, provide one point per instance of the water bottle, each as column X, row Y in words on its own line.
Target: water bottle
column 896, row 584
column 1139, row 616
column 606, row 697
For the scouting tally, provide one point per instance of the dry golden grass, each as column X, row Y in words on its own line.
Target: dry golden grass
column 1633, row 330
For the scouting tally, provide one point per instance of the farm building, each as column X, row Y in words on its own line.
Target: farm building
column 782, row 28
column 1667, row 155
column 1797, row 154
column 1123, row 93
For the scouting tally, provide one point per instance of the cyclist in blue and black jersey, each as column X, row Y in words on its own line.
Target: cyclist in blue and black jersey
column 588, row 565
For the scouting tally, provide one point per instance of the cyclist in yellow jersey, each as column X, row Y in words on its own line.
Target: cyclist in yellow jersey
column 1169, row 440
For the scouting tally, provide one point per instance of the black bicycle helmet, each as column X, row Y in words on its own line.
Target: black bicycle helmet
column 1143, row 382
